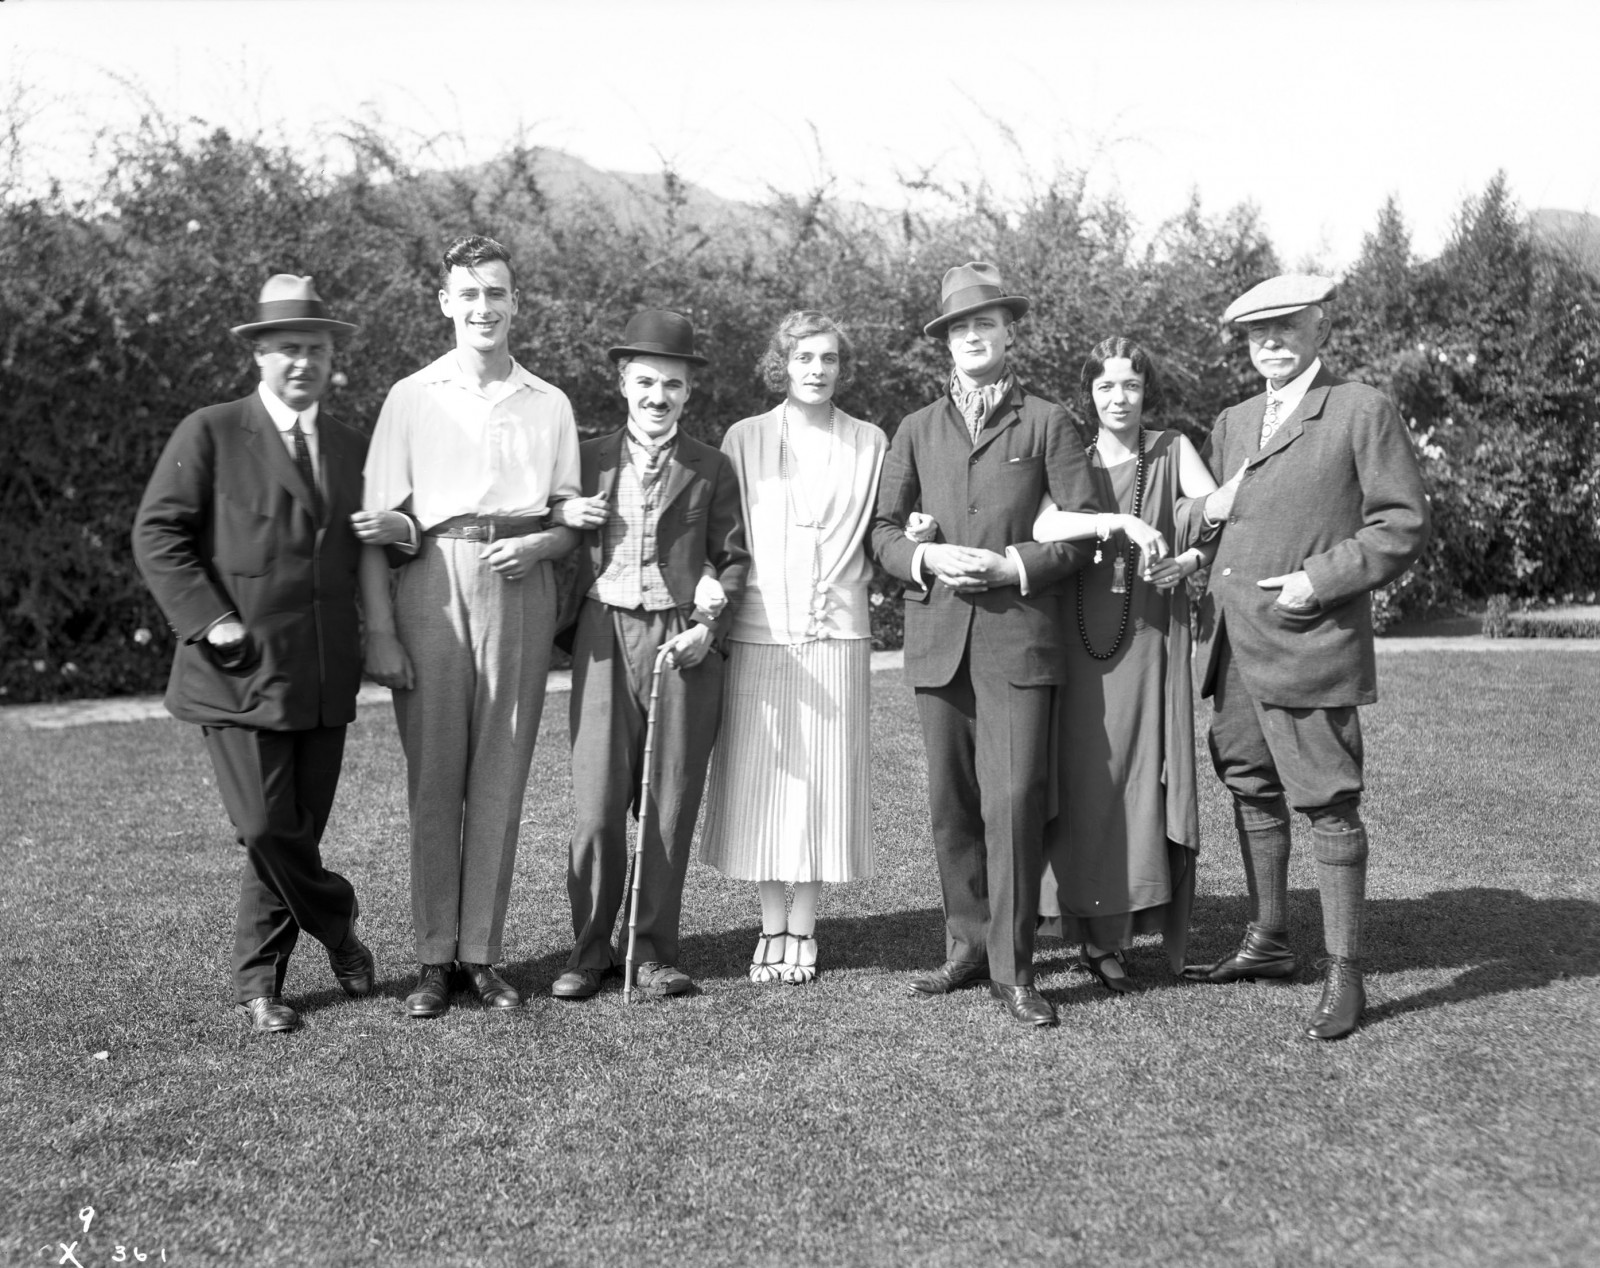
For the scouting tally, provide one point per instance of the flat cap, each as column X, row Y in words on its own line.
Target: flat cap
column 1279, row 296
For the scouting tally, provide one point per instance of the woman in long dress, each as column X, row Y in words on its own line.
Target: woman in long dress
column 1120, row 853
column 789, row 801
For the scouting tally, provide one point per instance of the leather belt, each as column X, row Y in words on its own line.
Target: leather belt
column 488, row 528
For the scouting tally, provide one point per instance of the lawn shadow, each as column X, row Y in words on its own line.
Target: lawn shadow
column 1502, row 940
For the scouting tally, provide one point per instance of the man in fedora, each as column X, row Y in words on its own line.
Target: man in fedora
column 984, row 629
column 244, row 537
column 660, row 510
column 467, row 457
column 1326, row 504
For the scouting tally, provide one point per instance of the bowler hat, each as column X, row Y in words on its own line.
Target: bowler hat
column 969, row 288
column 290, row 301
column 1279, row 296
column 658, row 332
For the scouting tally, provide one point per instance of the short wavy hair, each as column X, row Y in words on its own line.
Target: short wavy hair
column 1094, row 365
column 773, row 366
column 470, row 252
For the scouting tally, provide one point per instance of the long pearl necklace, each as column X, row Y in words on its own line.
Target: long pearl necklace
column 1130, row 553
column 818, row 590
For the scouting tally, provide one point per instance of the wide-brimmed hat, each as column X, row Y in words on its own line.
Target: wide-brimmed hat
column 292, row 302
column 1279, row 296
column 658, row 332
column 968, row 288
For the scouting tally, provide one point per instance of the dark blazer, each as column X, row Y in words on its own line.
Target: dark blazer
column 226, row 525
column 985, row 495
column 1336, row 492
column 700, row 519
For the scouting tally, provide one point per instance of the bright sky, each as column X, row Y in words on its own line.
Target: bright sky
column 1313, row 111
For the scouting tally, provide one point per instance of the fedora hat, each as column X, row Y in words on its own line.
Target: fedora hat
column 967, row 288
column 290, row 301
column 658, row 332
column 1279, row 296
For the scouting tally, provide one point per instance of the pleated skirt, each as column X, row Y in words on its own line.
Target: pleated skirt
column 790, row 794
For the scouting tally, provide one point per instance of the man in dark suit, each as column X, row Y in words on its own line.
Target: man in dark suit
column 984, row 638
column 1325, row 504
column 244, row 537
column 657, row 507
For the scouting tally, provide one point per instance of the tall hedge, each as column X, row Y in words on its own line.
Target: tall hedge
column 114, row 316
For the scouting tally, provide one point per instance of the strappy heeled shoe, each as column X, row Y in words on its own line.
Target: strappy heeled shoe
column 1096, row 964
column 800, row 960
column 766, row 965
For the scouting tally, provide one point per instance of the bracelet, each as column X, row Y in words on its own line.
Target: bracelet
column 1102, row 527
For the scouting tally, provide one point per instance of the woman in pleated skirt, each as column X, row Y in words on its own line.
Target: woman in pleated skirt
column 789, row 800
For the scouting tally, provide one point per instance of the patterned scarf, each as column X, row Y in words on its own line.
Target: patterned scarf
column 978, row 403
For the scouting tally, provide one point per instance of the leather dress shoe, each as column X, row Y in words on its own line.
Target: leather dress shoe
column 431, row 997
column 270, row 1015
column 1260, row 954
column 662, row 979
column 952, row 975
column 1025, row 1003
column 353, row 966
column 493, row 990
column 577, row 984
column 1344, row 996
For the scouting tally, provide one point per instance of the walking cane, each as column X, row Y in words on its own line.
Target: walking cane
column 644, row 820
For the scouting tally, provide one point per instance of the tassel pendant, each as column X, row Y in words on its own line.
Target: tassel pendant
column 1119, row 575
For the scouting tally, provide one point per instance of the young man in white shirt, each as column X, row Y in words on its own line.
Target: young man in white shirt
column 467, row 456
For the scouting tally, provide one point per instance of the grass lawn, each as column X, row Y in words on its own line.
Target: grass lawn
column 844, row 1123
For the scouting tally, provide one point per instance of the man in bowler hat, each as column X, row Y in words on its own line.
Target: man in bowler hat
column 660, row 511
column 244, row 537
column 1325, row 504
column 984, row 629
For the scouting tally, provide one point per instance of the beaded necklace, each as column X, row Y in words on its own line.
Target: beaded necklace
column 1130, row 553
column 818, row 590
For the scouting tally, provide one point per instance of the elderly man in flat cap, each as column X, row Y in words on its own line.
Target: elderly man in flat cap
column 661, row 517
column 1325, row 504
column 467, row 457
column 244, row 536
column 984, row 635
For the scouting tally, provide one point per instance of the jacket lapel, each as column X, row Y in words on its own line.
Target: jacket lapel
column 1294, row 426
column 1006, row 415
column 274, row 454
column 681, row 468
column 608, row 461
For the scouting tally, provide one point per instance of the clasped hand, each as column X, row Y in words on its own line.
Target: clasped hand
column 381, row 528
column 688, row 648
column 513, row 558
column 969, row 568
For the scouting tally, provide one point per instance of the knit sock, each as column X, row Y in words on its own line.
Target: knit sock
column 1264, row 847
column 1342, row 879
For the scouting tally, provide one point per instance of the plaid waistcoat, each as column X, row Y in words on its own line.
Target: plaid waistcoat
column 632, row 577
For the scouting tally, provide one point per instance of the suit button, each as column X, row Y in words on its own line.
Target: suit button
column 1234, row 520
column 1227, row 572
column 972, row 510
column 972, row 461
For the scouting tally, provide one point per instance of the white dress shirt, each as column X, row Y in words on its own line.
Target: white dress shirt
column 283, row 419
column 446, row 447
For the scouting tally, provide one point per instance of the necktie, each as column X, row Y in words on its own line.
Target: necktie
column 302, row 459
column 1269, row 420
column 655, row 459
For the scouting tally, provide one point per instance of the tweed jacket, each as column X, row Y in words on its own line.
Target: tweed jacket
column 226, row 525
column 698, row 519
column 985, row 494
column 1338, row 493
